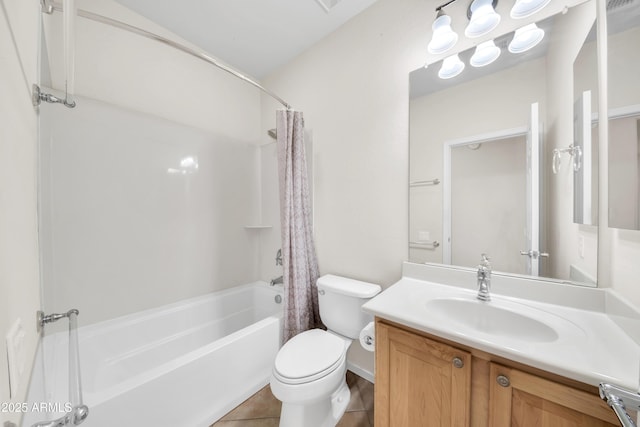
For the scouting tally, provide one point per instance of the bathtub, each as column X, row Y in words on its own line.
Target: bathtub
column 184, row 364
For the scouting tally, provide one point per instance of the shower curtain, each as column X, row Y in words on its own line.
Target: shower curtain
column 298, row 252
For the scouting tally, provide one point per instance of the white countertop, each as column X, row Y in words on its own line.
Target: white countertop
column 591, row 346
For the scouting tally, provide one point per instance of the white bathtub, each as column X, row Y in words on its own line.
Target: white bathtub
column 184, row 364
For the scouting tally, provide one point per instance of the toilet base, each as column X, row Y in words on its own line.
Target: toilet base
column 322, row 413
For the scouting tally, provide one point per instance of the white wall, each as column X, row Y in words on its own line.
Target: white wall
column 19, row 269
column 137, row 211
column 353, row 88
column 128, row 70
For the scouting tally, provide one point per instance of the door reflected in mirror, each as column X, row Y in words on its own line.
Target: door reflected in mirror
column 482, row 220
column 492, row 203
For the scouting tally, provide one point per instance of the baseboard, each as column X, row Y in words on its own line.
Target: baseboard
column 364, row 373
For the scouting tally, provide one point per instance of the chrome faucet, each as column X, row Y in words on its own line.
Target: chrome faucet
column 277, row 280
column 484, row 279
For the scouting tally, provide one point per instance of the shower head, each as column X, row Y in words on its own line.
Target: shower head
column 272, row 133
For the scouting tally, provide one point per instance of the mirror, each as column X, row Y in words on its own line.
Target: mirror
column 482, row 154
column 623, row 27
column 583, row 153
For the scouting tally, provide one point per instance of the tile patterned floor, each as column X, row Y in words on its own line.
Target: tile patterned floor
column 263, row 409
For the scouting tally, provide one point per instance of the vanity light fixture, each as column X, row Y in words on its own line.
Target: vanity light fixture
column 485, row 54
column 523, row 8
column 451, row 67
column 444, row 38
column 526, row 38
column 484, row 18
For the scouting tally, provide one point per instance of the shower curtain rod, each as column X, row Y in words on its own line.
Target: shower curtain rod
column 49, row 6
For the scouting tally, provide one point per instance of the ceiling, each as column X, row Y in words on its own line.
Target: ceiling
column 253, row 36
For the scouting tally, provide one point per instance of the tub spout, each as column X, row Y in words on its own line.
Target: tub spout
column 277, row 281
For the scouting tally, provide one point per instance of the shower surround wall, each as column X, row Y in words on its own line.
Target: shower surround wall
column 139, row 212
column 122, row 232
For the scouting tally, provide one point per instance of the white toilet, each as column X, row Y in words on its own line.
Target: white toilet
column 309, row 374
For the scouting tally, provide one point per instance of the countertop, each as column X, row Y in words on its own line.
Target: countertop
column 592, row 348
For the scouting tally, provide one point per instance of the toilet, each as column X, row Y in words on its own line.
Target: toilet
column 309, row 373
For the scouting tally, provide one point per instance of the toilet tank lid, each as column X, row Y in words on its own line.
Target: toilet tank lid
column 349, row 287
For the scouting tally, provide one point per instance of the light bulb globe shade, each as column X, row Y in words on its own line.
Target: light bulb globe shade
column 526, row 38
column 485, row 54
column 451, row 67
column 484, row 19
column 444, row 38
column 523, row 8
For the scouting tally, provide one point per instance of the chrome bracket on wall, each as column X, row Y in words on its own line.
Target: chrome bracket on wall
column 42, row 319
column 73, row 418
column 619, row 399
column 79, row 411
column 37, row 96
column 47, row 6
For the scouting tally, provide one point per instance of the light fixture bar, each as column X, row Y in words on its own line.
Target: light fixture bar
column 444, row 5
column 327, row 5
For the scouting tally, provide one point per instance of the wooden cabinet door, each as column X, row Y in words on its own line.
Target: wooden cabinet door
column 420, row 382
column 523, row 400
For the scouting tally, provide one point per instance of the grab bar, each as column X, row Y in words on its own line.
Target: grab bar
column 423, row 183
column 425, row 244
column 618, row 399
column 79, row 411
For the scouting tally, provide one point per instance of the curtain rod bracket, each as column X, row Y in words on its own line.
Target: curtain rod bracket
column 198, row 53
column 37, row 96
column 47, row 6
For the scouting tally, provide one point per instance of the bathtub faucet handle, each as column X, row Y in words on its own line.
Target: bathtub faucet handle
column 279, row 257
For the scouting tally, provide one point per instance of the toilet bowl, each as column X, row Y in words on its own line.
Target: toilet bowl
column 309, row 373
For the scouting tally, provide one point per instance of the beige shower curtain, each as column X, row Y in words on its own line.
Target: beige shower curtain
column 298, row 252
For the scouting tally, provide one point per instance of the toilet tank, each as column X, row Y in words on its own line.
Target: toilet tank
column 341, row 301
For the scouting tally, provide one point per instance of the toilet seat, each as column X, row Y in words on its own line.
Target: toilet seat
column 308, row 356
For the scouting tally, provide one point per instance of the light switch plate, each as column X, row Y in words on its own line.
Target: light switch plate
column 581, row 246
column 15, row 356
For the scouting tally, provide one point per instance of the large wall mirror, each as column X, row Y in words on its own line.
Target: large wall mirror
column 503, row 158
column 623, row 27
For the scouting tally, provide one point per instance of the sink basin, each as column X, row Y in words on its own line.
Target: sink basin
column 512, row 320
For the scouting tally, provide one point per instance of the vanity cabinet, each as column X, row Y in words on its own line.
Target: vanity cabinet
column 518, row 398
column 419, row 381
column 424, row 381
